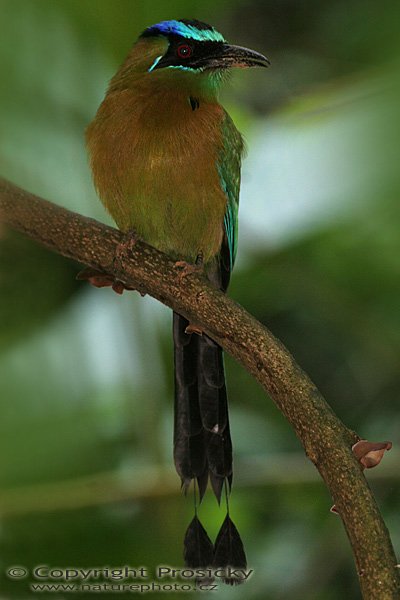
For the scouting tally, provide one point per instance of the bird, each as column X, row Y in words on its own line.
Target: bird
column 166, row 160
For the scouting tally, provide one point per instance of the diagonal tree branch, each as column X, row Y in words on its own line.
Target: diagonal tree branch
column 326, row 440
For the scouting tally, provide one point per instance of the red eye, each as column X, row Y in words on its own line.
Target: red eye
column 184, row 51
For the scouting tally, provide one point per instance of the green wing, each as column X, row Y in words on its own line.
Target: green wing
column 229, row 172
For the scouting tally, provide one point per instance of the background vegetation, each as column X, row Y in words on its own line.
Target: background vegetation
column 86, row 377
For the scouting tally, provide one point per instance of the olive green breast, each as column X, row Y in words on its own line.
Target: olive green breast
column 155, row 166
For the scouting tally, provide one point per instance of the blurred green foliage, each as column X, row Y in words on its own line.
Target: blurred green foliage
column 86, row 378
column 34, row 278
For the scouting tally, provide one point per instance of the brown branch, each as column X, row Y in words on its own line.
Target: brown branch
column 326, row 440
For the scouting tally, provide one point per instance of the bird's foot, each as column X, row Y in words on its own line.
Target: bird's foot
column 100, row 279
column 186, row 268
column 190, row 268
column 125, row 247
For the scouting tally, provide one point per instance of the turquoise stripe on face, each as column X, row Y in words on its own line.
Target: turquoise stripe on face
column 187, row 31
column 182, row 68
column 155, row 63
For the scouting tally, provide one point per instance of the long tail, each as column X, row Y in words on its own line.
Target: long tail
column 202, row 443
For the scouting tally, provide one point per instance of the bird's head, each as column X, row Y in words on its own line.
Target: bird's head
column 186, row 52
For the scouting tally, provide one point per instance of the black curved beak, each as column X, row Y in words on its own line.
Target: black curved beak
column 228, row 56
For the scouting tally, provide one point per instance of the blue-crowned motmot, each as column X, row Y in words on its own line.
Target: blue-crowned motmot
column 166, row 158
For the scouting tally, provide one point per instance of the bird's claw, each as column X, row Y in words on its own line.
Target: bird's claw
column 100, row 279
column 187, row 268
column 125, row 247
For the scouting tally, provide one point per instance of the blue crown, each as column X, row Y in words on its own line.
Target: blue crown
column 194, row 30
